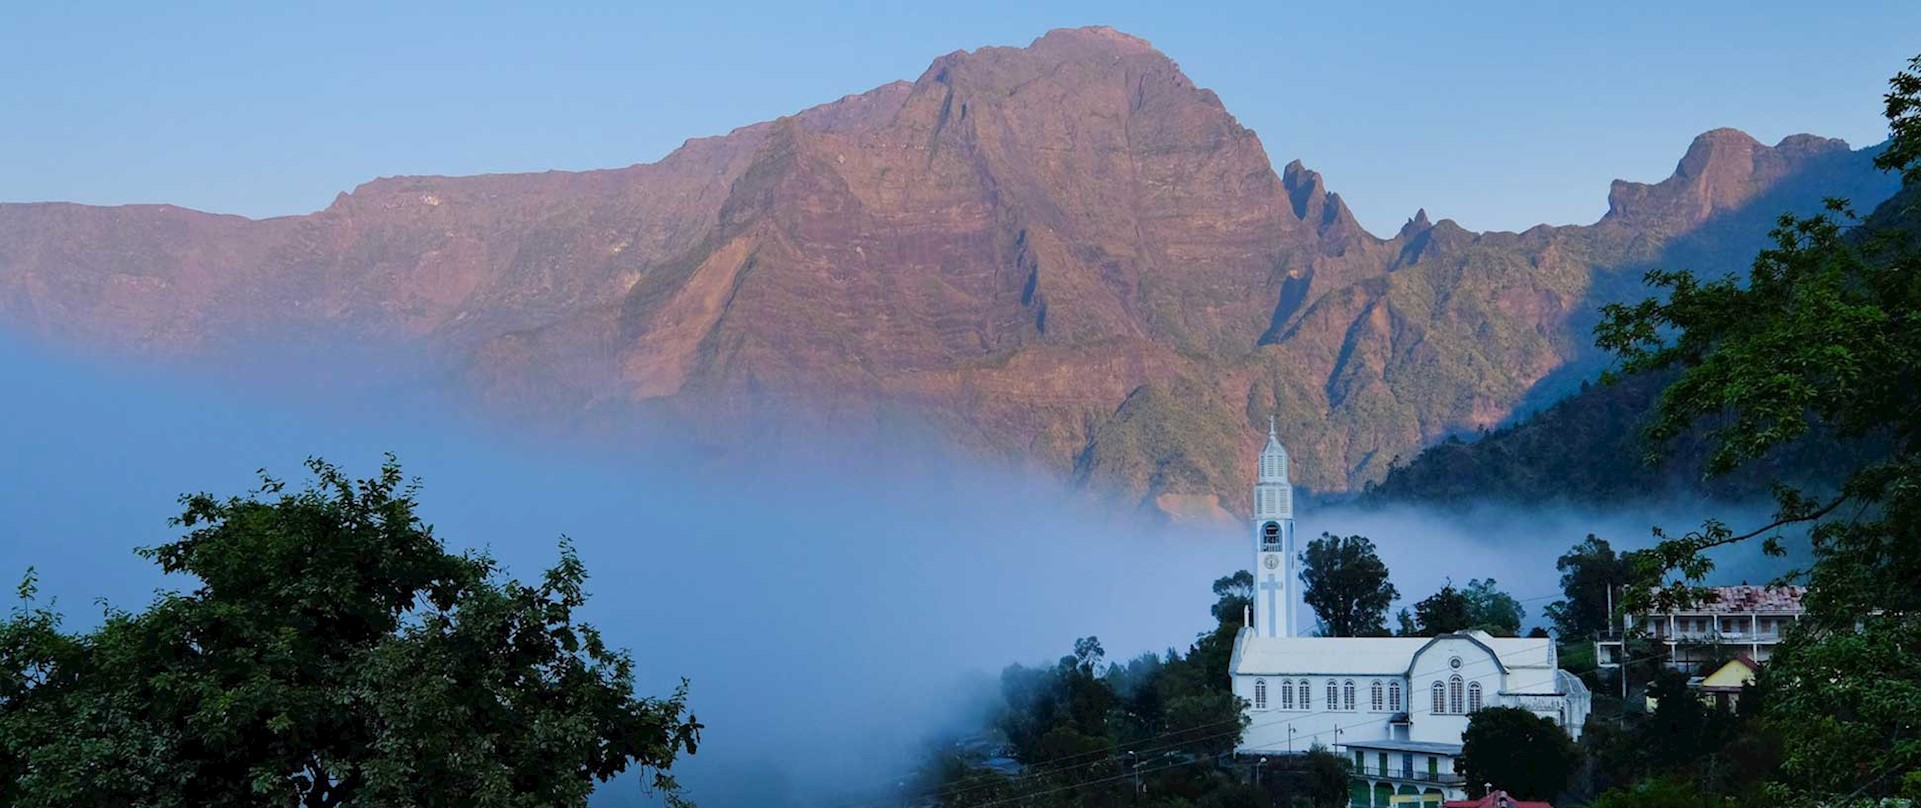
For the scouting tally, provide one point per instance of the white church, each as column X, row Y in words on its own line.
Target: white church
column 1396, row 706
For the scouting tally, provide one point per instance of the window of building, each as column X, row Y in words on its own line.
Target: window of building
column 1306, row 704
column 1440, row 697
column 1454, row 694
column 1333, row 695
column 1287, row 694
column 1394, row 697
column 1473, row 696
column 1347, row 695
column 1260, row 694
column 1376, row 696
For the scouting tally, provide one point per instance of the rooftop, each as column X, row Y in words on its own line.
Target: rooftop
column 1384, row 656
column 1496, row 799
column 1391, row 745
column 1743, row 599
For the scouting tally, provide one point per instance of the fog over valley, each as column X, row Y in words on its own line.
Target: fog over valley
column 834, row 611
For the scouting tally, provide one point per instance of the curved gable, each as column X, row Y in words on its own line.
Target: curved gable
column 1458, row 643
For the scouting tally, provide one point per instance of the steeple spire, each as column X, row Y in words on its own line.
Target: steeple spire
column 1274, row 538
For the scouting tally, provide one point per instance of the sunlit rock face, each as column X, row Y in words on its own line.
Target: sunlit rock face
column 1064, row 255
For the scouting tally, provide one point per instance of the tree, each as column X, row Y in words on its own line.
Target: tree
column 333, row 653
column 1346, row 586
column 1823, row 336
column 1491, row 610
column 1443, row 612
column 1675, row 735
column 1517, row 751
column 1404, row 625
column 1232, row 595
column 1590, row 572
column 1326, row 777
column 1658, row 793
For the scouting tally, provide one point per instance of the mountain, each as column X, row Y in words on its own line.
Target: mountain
column 1065, row 254
column 1590, row 448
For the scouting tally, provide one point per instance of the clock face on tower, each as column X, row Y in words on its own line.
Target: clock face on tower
column 1271, row 561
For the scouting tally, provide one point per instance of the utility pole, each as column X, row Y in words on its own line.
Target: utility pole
column 1624, row 650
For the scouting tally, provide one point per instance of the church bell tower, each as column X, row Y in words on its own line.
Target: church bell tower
column 1274, row 554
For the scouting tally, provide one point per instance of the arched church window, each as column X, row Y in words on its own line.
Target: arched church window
column 1306, row 703
column 1260, row 694
column 1333, row 695
column 1440, row 697
column 1454, row 694
column 1287, row 694
column 1394, row 697
column 1271, row 534
column 1376, row 696
column 1473, row 696
column 1347, row 695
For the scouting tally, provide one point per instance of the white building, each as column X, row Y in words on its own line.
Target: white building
column 1396, row 705
column 1738, row 619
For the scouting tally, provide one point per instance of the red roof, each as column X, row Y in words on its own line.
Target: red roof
column 1495, row 799
column 1743, row 599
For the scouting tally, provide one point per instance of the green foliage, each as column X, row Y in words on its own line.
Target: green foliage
column 1481, row 606
column 1854, row 700
column 1084, row 729
column 332, row 654
column 1659, row 793
column 1233, row 594
column 1443, row 612
column 1590, row 572
column 1346, row 586
column 1519, row 752
column 1681, row 730
column 1491, row 610
column 1327, row 776
column 1903, row 112
column 1590, row 447
column 1823, row 334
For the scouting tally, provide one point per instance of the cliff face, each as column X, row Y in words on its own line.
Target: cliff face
column 1065, row 253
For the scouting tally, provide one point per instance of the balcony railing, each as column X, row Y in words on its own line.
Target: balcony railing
column 1411, row 775
column 1727, row 637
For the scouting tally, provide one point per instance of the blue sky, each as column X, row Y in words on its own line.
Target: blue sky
column 1498, row 114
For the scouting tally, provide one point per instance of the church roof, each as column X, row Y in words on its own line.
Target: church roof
column 1335, row 655
column 1273, row 440
column 1384, row 656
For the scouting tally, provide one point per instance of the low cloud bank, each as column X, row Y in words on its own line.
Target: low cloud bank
column 832, row 609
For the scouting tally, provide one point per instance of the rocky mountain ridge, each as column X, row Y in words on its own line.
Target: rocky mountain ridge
column 1065, row 254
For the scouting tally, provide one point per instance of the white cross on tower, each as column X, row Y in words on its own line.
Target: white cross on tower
column 1273, row 588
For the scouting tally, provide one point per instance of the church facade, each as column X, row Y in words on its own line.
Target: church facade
column 1396, row 706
